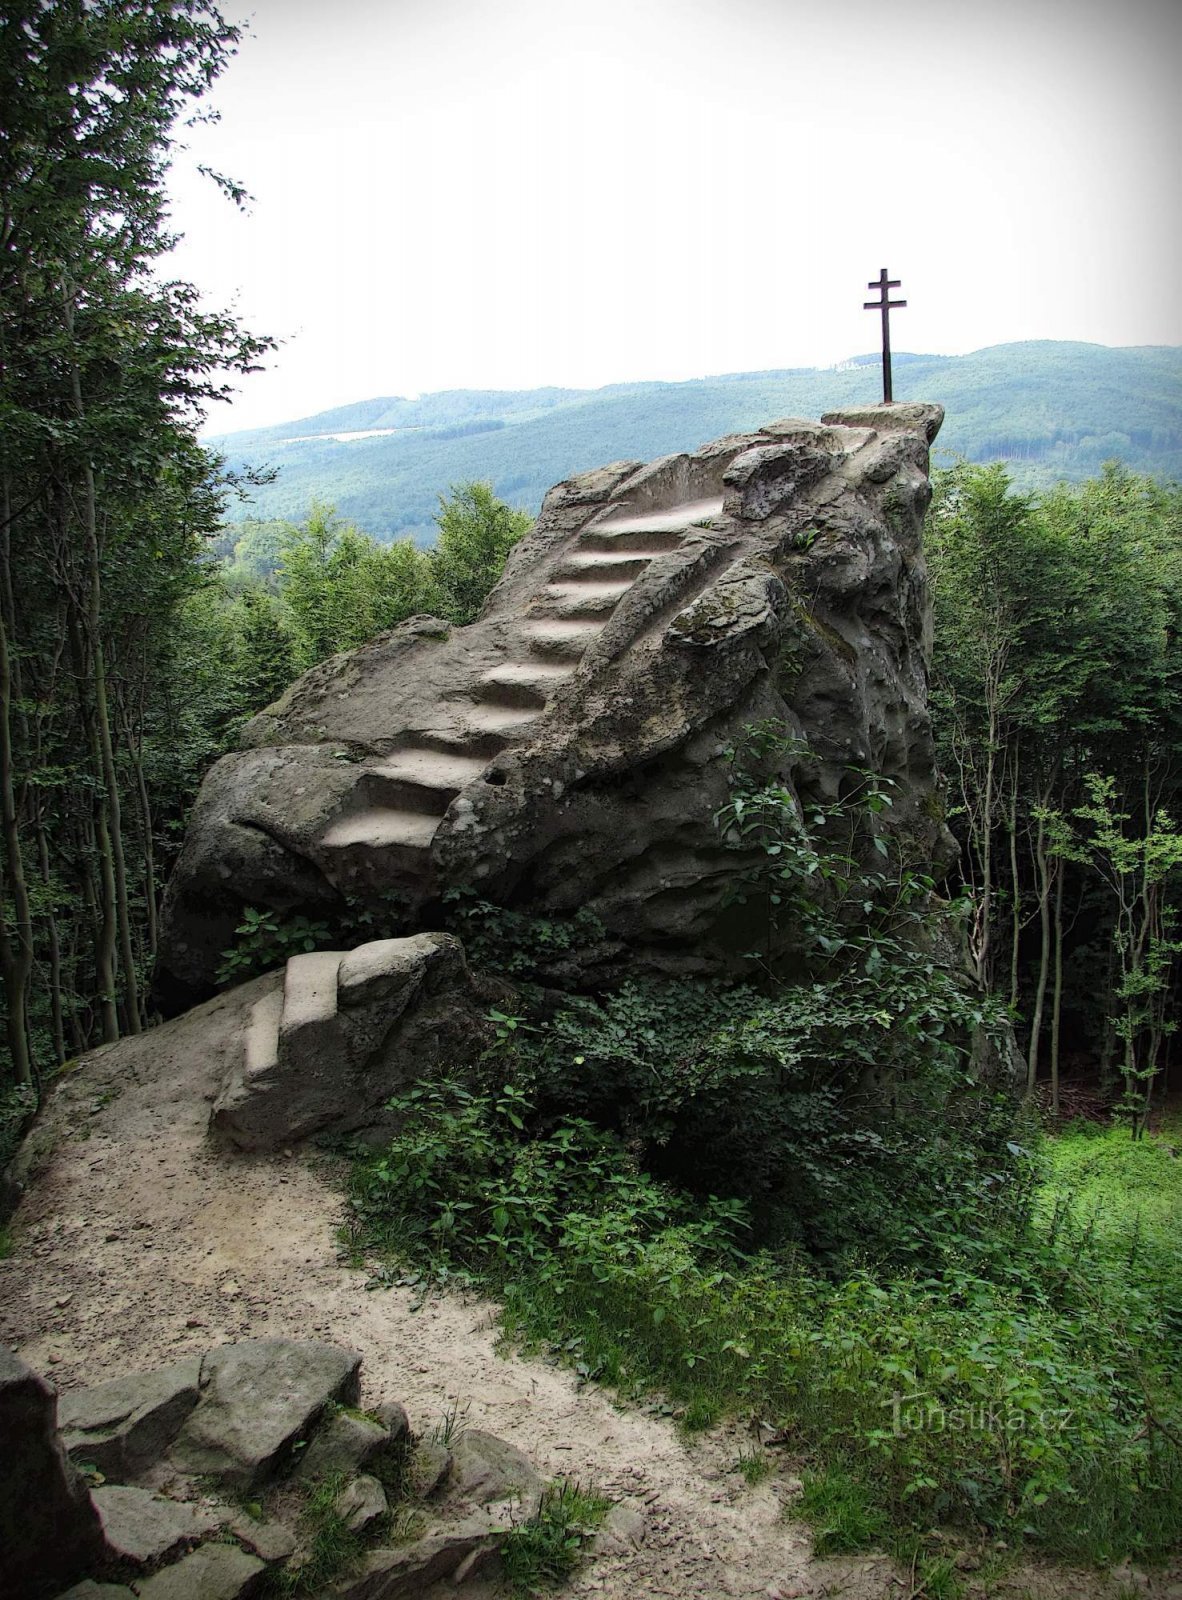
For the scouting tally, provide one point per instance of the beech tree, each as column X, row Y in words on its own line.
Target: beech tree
column 105, row 495
column 1056, row 667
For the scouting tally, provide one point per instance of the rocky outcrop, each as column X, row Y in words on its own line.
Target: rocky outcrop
column 333, row 1035
column 568, row 749
column 121, row 1426
column 259, row 1400
column 268, row 1416
column 50, row 1532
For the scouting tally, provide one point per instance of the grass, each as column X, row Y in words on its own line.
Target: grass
column 1021, row 1379
column 755, row 1466
column 842, row 1513
column 330, row 1549
column 542, row 1552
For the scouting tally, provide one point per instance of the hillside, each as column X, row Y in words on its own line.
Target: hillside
column 1054, row 410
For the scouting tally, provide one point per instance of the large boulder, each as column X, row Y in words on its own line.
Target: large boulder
column 124, row 1425
column 260, row 1399
column 50, row 1532
column 569, row 749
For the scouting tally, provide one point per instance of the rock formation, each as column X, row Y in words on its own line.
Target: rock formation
column 568, row 749
column 216, row 1463
column 49, row 1530
column 336, row 1033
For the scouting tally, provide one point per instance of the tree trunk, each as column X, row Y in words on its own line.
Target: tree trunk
column 1042, row 863
column 16, row 922
column 55, row 947
column 113, row 821
column 1057, row 994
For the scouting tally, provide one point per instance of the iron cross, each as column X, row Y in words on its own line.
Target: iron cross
column 886, row 305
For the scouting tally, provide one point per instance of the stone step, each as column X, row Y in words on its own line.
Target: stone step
column 309, row 990
column 445, row 769
column 599, row 566
column 638, row 541
column 262, row 1035
column 382, row 828
column 675, row 519
column 575, row 600
column 377, row 787
column 501, row 719
column 522, row 683
column 560, row 640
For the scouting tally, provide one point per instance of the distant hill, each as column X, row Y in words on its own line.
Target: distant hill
column 1053, row 410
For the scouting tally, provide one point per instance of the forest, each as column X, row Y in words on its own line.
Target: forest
column 1012, row 1249
column 1050, row 410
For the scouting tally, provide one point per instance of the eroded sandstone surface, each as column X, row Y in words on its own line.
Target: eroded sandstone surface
column 569, row 749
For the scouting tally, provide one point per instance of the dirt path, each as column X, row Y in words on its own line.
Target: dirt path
column 139, row 1242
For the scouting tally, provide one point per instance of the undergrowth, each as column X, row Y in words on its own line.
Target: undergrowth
column 799, row 1199
column 544, row 1550
column 330, row 1546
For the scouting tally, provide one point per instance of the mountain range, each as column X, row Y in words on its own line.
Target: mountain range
column 1051, row 409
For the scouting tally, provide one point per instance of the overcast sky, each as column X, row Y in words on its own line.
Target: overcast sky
column 510, row 193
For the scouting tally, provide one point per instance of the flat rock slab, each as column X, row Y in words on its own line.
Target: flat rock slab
column 408, row 1570
column 361, row 1504
column 485, row 1469
column 270, row 1540
column 430, row 1467
column 142, row 1528
column 343, row 1443
column 259, row 1399
column 123, row 1426
column 213, row 1572
column 88, row 1589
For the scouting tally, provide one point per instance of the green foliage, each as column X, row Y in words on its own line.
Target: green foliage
column 328, row 1548
column 18, row 1102
column 476, row 533
column 542, row 1552
column 1022, row 1382
column 339, row 588
column 265, row 941
column 792, row 1200
column 1058, row 619
column 842, row 1514
column 513, row 943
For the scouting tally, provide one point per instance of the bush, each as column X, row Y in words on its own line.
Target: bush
column 793, row 1198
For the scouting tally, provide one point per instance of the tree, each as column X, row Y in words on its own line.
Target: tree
column 105, row 494
column 1055, row 664
column 340, row 587
column 476, row 533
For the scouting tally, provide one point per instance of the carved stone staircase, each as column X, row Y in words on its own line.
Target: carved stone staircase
column 399, row 802
column 310, row 1043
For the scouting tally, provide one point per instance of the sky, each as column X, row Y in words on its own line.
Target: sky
column 468, row 194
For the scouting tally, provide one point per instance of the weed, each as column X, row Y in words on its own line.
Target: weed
column 542, row 1552
column 755, row 1466
column 452, row 1425
column 792, row 1199
column 842, row 1513
column 329, row 1550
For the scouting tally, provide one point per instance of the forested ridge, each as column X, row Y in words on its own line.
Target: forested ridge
column 680, row 1187
column 1049, row 409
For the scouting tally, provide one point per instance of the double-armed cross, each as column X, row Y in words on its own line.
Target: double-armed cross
column 886, row 305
